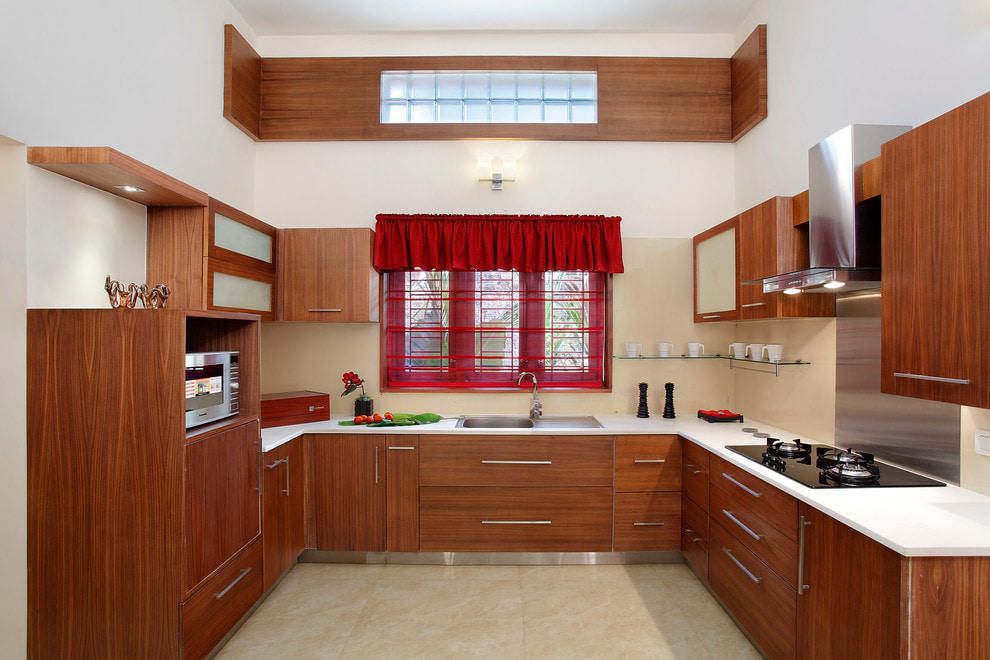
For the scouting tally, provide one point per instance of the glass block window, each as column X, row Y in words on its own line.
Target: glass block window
column 487, row 97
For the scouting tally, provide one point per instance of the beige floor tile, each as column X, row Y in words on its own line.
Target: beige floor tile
column 504, row 612
column 440, row 618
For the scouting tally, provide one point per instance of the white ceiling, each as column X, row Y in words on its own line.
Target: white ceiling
column 327, row 17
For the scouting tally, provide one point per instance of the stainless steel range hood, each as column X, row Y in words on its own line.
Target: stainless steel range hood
column 843, row 230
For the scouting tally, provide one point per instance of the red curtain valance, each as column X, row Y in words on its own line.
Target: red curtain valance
column 525, row 243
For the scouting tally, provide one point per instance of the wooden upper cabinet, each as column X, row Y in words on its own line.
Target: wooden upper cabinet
column 770, row 244
column 716, row 273
column 326, row 275
column 936, row 243
column 213, row 257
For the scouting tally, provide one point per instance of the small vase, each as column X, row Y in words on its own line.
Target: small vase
column 363, row 406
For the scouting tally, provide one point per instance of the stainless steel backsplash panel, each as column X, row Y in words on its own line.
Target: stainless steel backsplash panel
column 914, row 433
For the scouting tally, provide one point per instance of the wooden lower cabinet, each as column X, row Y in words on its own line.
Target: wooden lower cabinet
column 345, row 478
column 762, row 602
column 694, row 535
column 210, row 613
column 694, row 473
column 222, row 507
column 402, row 493
column 282, row 515
column 647, row 521
column 508, row 519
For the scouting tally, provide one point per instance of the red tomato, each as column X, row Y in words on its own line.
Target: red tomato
column 359, row 419
column 388, row 416
column 377, row 418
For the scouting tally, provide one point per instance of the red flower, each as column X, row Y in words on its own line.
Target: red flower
column 351, row 382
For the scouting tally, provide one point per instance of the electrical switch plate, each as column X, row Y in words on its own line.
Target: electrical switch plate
column 983, row 442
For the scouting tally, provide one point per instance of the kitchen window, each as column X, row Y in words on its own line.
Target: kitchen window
column 470, row 301
column 489, row 97
column 480, row 329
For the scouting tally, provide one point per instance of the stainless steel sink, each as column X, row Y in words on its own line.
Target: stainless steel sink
column 505, row 422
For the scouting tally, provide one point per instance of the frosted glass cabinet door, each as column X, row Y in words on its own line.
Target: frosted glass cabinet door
column 716, row 273
column 241, row 289
column 238, row 238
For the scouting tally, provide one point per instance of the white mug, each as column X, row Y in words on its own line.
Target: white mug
column 737, row 349
column 664, row 348
column 774, row 351
column 755, row 351
column 695, row 349
column 633, row 349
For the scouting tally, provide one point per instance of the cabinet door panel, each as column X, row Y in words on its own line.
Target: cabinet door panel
column 282, row 515
column 346, row 481
column 647, row 521
column 761, row 601
column 466, row 519
column 402, row 493
column 694, row 473
column 694, row 536
column 326, row 275
column 936, row 241
column 222, row 499
column 647, row 463
column 716, row 273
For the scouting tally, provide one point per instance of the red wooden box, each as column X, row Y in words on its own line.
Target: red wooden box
column 284, row 408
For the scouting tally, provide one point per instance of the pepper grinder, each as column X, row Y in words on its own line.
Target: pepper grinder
column 668, row 406
column 643, row 410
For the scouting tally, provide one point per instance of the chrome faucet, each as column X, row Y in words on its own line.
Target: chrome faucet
column 535, row 407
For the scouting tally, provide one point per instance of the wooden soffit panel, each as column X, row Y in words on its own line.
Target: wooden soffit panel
column 749, row 83
column 639, row 99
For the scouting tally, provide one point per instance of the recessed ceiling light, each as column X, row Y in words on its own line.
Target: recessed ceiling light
column 791, row 291
column 835, row 285
column 130, row 189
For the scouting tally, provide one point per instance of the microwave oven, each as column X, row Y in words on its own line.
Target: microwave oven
column 211, row 386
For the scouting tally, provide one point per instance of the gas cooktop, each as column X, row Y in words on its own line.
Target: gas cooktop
column 824, row 466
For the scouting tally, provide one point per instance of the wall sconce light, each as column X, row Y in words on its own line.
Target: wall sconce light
column 496, row 171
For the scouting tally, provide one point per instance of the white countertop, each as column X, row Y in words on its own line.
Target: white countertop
column 915, row 522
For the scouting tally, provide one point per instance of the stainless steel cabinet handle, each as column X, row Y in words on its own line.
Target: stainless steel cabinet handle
column 484, row 462
column 712, row 316
column 376, row 465
column 405, row 448
column 275, row 465
column 515, row 522
column 230, row 586
column 937, row 379
column 649, row 460
column 647, row 524
column 754, row 304
column 745, row 488
column 326, row 310
column 802, row 587
column 758, row 537
column 690, row 534
column 315, row 408
column 738, row 563
column 693, row 469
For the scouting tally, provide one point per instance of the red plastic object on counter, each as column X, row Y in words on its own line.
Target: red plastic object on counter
column 719, row 416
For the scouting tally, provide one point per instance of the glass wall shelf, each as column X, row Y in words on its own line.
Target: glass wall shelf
column 732, row 360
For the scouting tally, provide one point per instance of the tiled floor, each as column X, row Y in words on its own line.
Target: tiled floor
column 393, row 611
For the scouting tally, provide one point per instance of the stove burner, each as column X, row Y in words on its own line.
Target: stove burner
column 848, row 467
column 761, row 435
column 788, row 449
column 749, row 429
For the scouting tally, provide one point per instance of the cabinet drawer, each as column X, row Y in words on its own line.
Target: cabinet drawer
column 694, row 473
column 515, row 461
column 746, row 522
column 762, row 602
column 474, row 519
column 694, row 536
column 647, row 521
column 767, row 503
column 213, row 610
column 286, row 408
column 647, row 463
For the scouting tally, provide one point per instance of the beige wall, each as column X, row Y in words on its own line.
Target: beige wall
column 13, row 337
column 652, row 302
